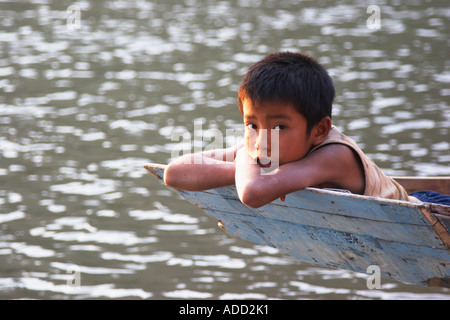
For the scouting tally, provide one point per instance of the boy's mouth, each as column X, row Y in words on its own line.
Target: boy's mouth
column 265, row 163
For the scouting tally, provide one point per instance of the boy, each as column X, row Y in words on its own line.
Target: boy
column 286, row 102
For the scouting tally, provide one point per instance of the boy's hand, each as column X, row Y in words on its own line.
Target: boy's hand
column 246, row 166
column 242, row 157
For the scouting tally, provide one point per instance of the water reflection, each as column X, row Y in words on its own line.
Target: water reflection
column 82, row 109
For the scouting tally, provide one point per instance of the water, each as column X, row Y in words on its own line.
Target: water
column 82, row 109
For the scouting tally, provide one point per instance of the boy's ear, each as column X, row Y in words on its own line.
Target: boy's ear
column 321, row 130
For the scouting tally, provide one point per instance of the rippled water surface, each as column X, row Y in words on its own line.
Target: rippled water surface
column 81, row 109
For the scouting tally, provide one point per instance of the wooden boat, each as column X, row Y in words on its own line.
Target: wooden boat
column 409, row 242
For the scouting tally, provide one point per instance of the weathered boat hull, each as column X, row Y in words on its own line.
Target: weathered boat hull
column 409, row 242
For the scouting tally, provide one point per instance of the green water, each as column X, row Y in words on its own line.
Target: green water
column 85, row 102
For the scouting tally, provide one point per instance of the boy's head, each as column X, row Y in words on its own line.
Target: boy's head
column 290, row 78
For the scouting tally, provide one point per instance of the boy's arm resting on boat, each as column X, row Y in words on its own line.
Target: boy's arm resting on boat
column 332, row 166
column 203, row 170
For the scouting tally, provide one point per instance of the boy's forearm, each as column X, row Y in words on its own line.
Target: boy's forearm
column 253, row 187
column 201, row 173
column 256, row 189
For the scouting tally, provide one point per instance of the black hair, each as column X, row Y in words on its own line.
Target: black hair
column 290, row 77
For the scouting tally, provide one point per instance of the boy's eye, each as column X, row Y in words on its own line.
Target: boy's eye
column 251, row 126
column 280, row 127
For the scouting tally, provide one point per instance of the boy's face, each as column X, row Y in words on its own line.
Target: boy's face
column 261, row 122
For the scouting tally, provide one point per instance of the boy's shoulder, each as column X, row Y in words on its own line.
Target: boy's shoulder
column 335, row 136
